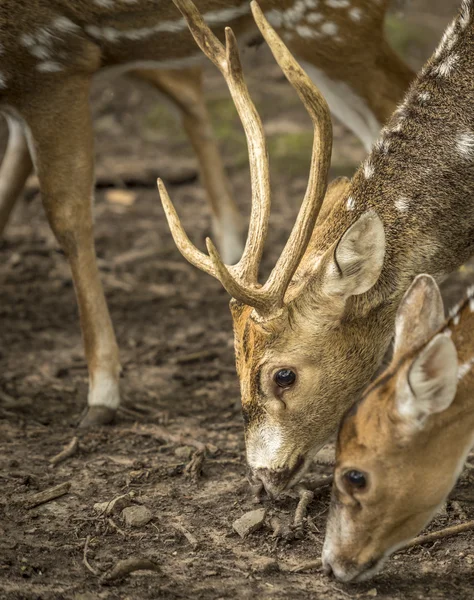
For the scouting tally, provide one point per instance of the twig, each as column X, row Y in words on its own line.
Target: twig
column 66, row 453
column 127, row 566
column 418, row 541
column 442, row 533
column 84, row 558
column 47, row 495
column 306, row 497
column 189, row 536
column 111, row 522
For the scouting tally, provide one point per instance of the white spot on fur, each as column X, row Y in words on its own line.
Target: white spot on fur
column 423, row 97
column 465, row 144
column 402, row 204
column 329, row 28
column 27, row 40
column 350, row 204
column 355, row 14
column 368, row 169
column 338, row 3
column 464, row 369
column 314, row 18
column 65, row 25
column 40, row 51
column 456, row 319
column 446, row 66
column 275, row 17
column 49, row 66
column 382, row 145
column 104, row 3
column 3, row 82
column 305, row 32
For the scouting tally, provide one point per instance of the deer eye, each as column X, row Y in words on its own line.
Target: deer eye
column 355, row 479
column 285, row 378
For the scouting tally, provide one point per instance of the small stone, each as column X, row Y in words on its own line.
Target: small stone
column 184, row 452
column 249, row 522
column 113, row 506
column 136, row 516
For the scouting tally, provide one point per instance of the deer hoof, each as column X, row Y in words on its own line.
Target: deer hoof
column 95, row 416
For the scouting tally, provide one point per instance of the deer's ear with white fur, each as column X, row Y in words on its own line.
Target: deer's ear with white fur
column 431, row 382
column 420, row 314
column 358, row 258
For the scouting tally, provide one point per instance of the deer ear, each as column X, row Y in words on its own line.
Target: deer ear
column 420, row 314
column 431, row 382
column 358, row 258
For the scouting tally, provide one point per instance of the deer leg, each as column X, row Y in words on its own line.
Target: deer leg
column 184, row 89
column 15, row 169
column 62, row 148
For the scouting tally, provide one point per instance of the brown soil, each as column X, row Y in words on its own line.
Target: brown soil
column 179, row 387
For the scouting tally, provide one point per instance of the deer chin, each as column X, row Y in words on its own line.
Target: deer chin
column 348, row 571
column 276, row 481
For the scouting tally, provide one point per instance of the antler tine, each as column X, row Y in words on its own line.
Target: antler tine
column 184, row 244
column 227, row 60
column 318, row 110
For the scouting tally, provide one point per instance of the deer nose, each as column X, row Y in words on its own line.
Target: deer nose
column 276, row 481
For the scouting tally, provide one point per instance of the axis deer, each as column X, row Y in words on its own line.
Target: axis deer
column 401, row 449
column 47, row 62
column 309, row 340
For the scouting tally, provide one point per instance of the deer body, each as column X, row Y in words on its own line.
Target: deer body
column 402, row 448
column 46, row 65
column 306, row 353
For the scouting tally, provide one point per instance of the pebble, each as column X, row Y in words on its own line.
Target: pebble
column 249, row 522
column 136, row 516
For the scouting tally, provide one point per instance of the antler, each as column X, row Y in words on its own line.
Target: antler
column 240, row 280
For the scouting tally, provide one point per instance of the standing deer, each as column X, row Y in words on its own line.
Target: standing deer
column 48, row 57
column 401, row 449
column 309, row 340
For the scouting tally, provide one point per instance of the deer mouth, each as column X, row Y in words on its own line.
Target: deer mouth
column 276, row 481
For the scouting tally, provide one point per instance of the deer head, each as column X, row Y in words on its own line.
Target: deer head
column 290, row 384
column 398, row 454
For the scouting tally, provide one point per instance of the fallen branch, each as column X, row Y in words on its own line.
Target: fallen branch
column 127, row 566
column 48, row 495
column 438, row 535
column 68, row 451
column 84, row 558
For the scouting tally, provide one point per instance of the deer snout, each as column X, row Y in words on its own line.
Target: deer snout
column 276, row 481
column 347, row 570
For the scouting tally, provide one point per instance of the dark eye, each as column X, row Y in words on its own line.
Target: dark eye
column 355, row 479
column 285, row 377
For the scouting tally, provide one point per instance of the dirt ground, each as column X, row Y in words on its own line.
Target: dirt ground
column 179, row 388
